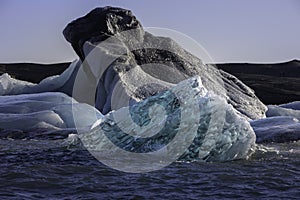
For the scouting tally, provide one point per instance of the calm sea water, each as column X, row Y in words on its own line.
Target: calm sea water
column 49, row 169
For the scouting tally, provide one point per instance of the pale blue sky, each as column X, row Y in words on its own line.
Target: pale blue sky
column 230, row 30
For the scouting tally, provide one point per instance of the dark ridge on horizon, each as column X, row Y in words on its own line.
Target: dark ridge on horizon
column 275, row 83
column 257, row 63
column 291, row 68
column 32, row 72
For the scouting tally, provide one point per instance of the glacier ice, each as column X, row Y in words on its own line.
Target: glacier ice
column 113, row 41
column 58, row 83
column 276, row 129
column 10, row 86
column 49, row 111
column 201, row 126
column 221, row 132
column 120, row 65
column 42, row 119
column 26, row 106
column 285, row 110
column 281, row 125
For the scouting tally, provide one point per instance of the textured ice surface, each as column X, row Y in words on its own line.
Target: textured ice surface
column 139, row 74
column 276, row 129
column 9, row 85
column 113, row 41
column 204, row 123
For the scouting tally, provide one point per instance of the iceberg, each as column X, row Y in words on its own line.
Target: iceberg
column 111, row 42
column 185, row 122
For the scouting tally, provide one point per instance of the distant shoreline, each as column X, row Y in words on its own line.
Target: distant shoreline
column 273, row 83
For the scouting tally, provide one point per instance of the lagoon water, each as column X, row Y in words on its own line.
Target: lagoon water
column 52, row 169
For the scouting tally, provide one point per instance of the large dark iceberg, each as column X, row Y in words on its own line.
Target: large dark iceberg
column 173, row 63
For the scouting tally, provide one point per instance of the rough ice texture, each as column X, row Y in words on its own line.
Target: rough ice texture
column 221, row 133
column 278, row 129
column 87, row 32
column 10, row 86
column 100, row 23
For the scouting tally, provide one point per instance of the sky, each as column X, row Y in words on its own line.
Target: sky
column 259, row 31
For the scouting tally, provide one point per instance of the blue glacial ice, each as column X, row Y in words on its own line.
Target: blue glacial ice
column 201, row 125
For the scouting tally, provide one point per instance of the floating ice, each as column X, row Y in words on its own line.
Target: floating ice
column 50, row 111
column 281, row 125
column 112, row 42
column 9, row 85
column 283, row 110
column 220, row 133
column 58, row 83
column 276, row 129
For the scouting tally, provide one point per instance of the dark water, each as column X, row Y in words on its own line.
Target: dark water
column 49, row 169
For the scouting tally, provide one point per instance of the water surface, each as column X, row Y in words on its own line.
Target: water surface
column 51, row 169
